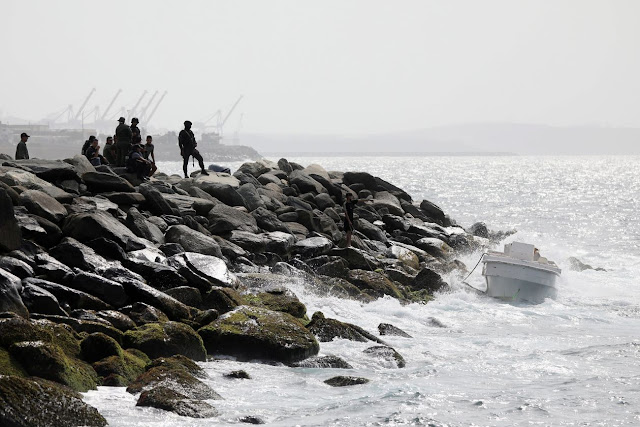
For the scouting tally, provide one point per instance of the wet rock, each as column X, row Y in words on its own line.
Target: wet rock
column 230, row 250
column 97, row 346
column 10, row 300
column 141, row 292
column 141, row 314
column 69, row 297
column 155, row 202
column 285, row 166
column 178, row 379
column 16, row 267
column 238, row 375
column 479, row 229
column 434, row 247
column 10, row 234
column 279, row 242
column 371, row 231
column 278, row 299
column 386, row 353
column 328, row 329
column 373, row 283
column 193, row 241
column 122, row 369
column 388, row 329
column 223, row 218
column 125, row 198
column 107, row 248
column 576, row 265
column 109, row 291
column 332, row 362
column 399, row 276
column 88, row 226
column 38, row 300
column 143, row 228
column 212, row 268
column 256, row 333
column 166, row 339
column 119, row 320
column 344, row 381
column 313, row 246
column 251, row 197
column 221, row 299
column 249, row 241
column 157, row 275
column 101, row 182
column 38, row 402
column 428, row 280
column 432, row 211
column 357, row 258
column 187, row 295
column 41, row 204
column 170, row 400
column 404, row 255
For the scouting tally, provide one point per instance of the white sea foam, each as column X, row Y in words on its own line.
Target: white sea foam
column 572, row 361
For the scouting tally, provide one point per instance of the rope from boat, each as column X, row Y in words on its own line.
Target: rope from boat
column 474, row 268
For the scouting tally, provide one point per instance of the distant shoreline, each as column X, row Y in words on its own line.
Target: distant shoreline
column 383, row 154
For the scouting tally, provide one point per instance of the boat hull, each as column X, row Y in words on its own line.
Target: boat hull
column 519, row 282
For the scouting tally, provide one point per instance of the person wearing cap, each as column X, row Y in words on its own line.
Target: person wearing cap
column 135, row 130
column 187, row 144
column 93, row 153
column 22, row 152
column 123, row 144
column 110, row 151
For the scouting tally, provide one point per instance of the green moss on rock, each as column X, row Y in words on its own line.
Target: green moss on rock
column 37, row 402
column 176, row 379
column 166, row 339
column 97, row 346
column 179, row 362
column 257, row 333
column 120, row 369
column 285, row 302
column 10, row 366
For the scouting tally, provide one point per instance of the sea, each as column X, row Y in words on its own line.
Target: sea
column 472, row 360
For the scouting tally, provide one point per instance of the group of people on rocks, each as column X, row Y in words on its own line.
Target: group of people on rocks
column 125, row 149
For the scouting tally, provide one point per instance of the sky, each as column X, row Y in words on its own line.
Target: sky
column 328, row 67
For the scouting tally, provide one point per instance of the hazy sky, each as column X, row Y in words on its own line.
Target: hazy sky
column 329, row 66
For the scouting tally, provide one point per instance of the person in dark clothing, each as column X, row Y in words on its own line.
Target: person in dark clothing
column 123, row 143
column 148, row 153
column 187, row 144
column 138, row 164
column 110, row 151
column 135, row 130
column 22, row 152
column 93, row 154
column 87, row 144
column 349, row 204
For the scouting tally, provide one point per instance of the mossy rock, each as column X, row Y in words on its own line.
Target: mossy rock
column 121, row 369
column 222, row 299
column 37, row 402
column 175, row 379
column 170, row 400
column 178, row 362
column 97, row 346
column 344, row 381
column 9, row 365
column 257, row 333
column 277, row 300
column 328, row 329
column 16, row 329
column 48, row 361
column 166, row 339
column 374, row 283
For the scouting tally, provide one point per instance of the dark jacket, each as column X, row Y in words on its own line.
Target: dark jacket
column 123, row 133
column 186, row 140
column 22, row 152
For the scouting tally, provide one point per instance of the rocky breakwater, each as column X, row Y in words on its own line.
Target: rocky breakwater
column 105, row 280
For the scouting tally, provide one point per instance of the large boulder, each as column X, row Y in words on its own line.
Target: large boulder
column 428, row 280
column 251, row 242
column 223, row 218
column 37, row 402
column 200, row 206
column 10, row 234
column 143, row 228
column 329, row 329
column 384, row 199
column 166, row 339
column 433, row 211
column 167, row 399
column 107, row 290
column 226, row 193
column 71, row 252
column 268, row 220
column 101, row 182
column 305, row 183
column 68, row 297
column 313, row 246
column 212, row 268
column 89, row 226
column 41, row 204
column 252, row 199
column 435, row 247
column 155, row 202
column 38, row 300
column 10, row 300
column 142, row 292
column 374, row 283
column 48, row 170
column 357, row 258
column 364, row 178
column 257, row 333
column 22, row 178
column 192, row 240
column 158, row 275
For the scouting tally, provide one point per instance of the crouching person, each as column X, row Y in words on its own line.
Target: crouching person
column 138, row 164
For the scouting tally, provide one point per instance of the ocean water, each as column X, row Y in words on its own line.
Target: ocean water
column 573, row 361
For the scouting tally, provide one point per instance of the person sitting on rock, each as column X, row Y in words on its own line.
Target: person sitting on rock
column 93, row 153
column 349, row 204
column 138, row 164
column 148, row 153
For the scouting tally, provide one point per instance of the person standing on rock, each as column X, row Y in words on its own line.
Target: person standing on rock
column 349, row 204
column 187, row 144
column 123, row 142
column 135, row 130
column 22, row 152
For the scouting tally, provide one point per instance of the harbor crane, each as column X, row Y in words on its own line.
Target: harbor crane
column 155, row 108
column 220, row 122
column 84, row 104
column 104, row 115
column 132, row 112
column 144, row 110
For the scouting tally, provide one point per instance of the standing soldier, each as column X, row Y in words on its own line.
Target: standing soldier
column 187, row 144
column 123, row 144
column 22, row 152
column 135, row 130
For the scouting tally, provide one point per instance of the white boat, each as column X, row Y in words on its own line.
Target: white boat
column 520, row 273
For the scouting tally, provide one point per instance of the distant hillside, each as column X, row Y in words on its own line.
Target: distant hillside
column 476, row 138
